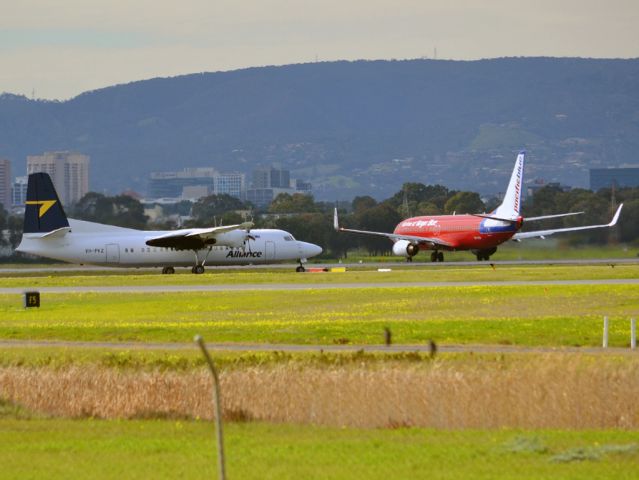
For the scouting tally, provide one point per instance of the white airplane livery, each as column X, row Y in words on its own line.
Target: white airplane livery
column 49, row 233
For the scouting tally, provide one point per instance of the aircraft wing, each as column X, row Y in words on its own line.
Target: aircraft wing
column 545, row 233
column 393, row 236
column 189, row 238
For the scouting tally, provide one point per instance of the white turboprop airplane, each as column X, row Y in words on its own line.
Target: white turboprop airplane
column 48, row 233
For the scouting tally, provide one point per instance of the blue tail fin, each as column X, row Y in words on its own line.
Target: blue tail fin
column 43, row 211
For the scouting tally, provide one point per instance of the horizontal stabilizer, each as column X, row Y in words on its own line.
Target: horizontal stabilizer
column 546, row 217
column 60, row 232
column 493, row 217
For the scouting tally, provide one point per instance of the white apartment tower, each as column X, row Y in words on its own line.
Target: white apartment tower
column 68, row 170
column 5, row 184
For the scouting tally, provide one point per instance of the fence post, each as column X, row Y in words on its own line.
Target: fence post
column 605, row 333
column 388, row 337
column 218, row 408
column 633, row 333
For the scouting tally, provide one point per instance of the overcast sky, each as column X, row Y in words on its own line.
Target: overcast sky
column 62, row 48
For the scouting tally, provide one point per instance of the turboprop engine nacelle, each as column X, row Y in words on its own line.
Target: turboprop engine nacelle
column 234, row 238
column 404, row 248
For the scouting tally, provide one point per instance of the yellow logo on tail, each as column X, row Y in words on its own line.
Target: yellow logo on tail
column 45, row 205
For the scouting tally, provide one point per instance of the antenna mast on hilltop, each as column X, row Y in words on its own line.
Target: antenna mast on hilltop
column 405, row 208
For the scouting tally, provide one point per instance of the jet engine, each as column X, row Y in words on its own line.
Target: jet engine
column 404, row 248
column 234, row 238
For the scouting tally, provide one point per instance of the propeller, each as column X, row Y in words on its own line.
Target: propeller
column 249, row 237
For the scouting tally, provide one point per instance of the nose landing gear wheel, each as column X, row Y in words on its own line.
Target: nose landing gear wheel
column 300, row 269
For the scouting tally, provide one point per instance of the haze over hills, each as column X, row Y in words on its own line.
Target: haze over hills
column 351, row 128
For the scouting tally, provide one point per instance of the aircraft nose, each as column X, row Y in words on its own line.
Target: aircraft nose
column 310, row 249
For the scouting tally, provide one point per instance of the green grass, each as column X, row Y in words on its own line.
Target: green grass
column 53, row 448
column 534, row 315
column 481, row 273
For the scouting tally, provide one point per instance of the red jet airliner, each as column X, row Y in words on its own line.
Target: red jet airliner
column 480, row 233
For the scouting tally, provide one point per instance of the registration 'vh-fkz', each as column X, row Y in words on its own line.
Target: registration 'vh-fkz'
column 49, row 233
column 481, row 233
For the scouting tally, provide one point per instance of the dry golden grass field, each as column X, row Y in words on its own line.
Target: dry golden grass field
column 564, row 391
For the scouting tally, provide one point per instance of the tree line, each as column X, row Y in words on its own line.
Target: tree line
column 312, row 221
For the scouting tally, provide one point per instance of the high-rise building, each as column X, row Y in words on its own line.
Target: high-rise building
column 69, row 172
column 172, row 184
column 271, row 177
column 261, row 178
column 269, row 182
column 619, row 177
column 19, row 192
column 233, row 184
column 5, row 184
column 194, row 183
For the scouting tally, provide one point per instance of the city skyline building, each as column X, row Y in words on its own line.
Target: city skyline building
column 19, row 192
column 69, row 172
column 195, row 183
column 269, row 182
column 5, row 183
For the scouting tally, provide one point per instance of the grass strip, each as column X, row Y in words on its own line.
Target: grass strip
column 61, row 449
column 534, row 315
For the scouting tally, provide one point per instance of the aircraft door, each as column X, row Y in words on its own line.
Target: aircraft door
column 269, row 250
column 113, row 253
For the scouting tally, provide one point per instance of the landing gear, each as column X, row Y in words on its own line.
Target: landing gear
column 300, row 268
column 484, row 254
column 199, row 269
column 199, row 266
column 168, row 270
column 409, row 259
column 437, row 257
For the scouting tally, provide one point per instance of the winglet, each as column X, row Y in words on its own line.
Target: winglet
column 335, row 220
column 616, row 217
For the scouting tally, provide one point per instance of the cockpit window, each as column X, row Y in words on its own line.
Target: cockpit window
column 289, row 238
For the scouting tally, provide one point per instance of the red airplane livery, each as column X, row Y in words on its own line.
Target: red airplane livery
column 480, row 233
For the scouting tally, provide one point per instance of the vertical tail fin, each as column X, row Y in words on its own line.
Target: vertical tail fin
column 43, row 211
column 511, row 206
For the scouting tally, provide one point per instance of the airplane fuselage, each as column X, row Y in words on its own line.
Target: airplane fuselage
column 462, row 232
column 128, row 248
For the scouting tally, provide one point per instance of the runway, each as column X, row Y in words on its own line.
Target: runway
column 310, row 286
column 299, row 348
column 289, row 266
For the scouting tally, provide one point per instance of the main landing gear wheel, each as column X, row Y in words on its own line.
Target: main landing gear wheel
column 168, row 270
column 198, row 269
column 437, row 257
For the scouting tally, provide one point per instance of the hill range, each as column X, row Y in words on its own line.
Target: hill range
column 351, row 128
